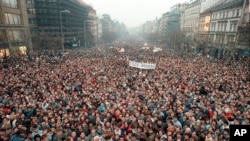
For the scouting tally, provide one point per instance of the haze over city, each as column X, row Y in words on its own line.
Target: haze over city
column 124, row 70
column 132, row 12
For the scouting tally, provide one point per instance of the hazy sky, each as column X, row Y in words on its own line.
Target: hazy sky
column 132, row 12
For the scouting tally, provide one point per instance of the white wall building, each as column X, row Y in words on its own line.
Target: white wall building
column 99, row 28
column 224, row 23
column 162, row 23
column 190, row 18
column 206, row 4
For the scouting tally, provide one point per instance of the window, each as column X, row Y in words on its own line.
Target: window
column 10, row 3
column 15, row 35
column 222, row 26
column 1, row 22
column 233, row 13
column 225, row 26
column 223, row 15
column 233, row 26
column 231, row 39
column 32, row 20
column 33, row 30
column 3, row 36
column 238, row 13
column 30, row 1
column 12, row 19
column 31, row 10
column 227, row 14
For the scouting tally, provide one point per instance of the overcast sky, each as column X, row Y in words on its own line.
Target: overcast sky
column 132, row 12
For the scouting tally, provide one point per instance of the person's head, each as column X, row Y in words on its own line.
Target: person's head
column 96, row 138
column 59, row 131
column 93, row 131
column 82, row 135
column 44, row 138
column 73, row 134
column 37, row 137
column 29, row 135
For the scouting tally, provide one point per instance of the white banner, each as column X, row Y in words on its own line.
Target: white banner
column 141, row 65
column 157, row 49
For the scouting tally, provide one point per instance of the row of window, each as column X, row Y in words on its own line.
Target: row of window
column 33, row 1
column 10, row 3
column 12, row 19
column 41, row 10
column 224, row 26
column 36, row 30
column 15, row 35
column 12, row 35
column 222, row 39
column 226, row 14
column 192, row 11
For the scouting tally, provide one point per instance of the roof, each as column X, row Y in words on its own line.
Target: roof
column 81, row 2
column 225, row 5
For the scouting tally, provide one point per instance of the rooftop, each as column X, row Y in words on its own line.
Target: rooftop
column 225, row 5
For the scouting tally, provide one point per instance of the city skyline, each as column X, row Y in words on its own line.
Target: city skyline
column 132, row 13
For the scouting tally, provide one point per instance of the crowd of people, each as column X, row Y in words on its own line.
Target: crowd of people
column 86, row 95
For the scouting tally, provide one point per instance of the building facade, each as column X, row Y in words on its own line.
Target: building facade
column 219, row 27
column 243, row 34
column 99, row 29
column 224, row 23
column 173, row 22
column 57, row 23
column 190, row 19
column 163, row 23
column 15, row 34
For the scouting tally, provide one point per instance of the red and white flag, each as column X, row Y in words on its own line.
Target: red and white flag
column 120, row 50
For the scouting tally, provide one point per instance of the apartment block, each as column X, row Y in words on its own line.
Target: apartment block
column 190, row 19
column 53, row 22
column 14, row 30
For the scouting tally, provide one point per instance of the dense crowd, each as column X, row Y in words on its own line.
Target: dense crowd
column 87, row 96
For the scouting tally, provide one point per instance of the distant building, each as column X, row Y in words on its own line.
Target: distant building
column 173, row 20
column 99, row 29
column 243, row 34
column 224, row 22
column 206, row 4
column 45, row 23
column 190, row 19
column 163, row 23
column 219, row 28
column 14, row 31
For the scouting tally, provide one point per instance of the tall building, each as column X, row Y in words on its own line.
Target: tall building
column 224, row 22
column 14, row 31
column 162, row 23
column 53, row 22
column 243, row 34
column 190, row 19
column 99, row 29
column 173, row 22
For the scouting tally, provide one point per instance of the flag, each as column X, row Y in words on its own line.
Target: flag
column 120, row 50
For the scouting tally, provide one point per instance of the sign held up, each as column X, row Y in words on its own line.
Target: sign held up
column 141, row 65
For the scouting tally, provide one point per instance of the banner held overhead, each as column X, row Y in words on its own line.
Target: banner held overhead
column 141, row 65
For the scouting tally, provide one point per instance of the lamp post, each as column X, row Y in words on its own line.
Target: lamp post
column 84, row 34
column 62, row 37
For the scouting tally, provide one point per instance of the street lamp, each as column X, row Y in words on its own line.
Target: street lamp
column 84, row 28
column 84, row 34
column 63, row 11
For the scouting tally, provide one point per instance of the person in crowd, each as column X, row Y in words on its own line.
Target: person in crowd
column 87, row 95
